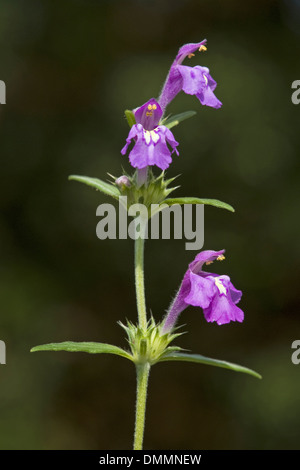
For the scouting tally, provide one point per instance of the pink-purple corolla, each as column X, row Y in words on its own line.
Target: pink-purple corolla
column 150, row 138
column 192, row 80
column 214, row 293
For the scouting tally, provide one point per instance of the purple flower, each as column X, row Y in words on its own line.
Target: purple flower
column 150, row 139
column 192, row 80
column 215, row 294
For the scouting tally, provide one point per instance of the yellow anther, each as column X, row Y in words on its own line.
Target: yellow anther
column 190, row 55
column 209, row 262
column 150, row 107
column 154, row 106
column 220, row 258
column 202, row 48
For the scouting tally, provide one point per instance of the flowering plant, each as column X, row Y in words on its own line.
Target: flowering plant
column 151, row 144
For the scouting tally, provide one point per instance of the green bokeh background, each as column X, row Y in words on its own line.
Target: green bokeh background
column 71, row 68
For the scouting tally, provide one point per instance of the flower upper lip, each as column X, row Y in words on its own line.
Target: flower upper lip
column 188, row 49
column 149, row 114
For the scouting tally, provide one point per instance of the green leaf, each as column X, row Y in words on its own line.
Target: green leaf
column 177, row 118
column 196, row 200
column 100, row 185
column 178, row 356
column 92, row 348
column 130, row 117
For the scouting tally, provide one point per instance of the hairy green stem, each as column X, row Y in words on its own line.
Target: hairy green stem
column 139, row 282
column 142, row 372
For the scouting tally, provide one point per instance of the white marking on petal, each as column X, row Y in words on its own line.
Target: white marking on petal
column 222, row 289
column 147, row 136
column 206, row 79
column 154, row 137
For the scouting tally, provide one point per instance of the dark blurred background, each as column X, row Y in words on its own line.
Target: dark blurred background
column 71, row 68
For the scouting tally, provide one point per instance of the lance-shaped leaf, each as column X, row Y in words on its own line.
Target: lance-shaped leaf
column 177, row 118
column 179, row 356
column 100, row 185
column 91, row 348
column 196, row 200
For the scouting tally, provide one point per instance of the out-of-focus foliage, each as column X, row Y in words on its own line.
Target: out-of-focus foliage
column 71, row 69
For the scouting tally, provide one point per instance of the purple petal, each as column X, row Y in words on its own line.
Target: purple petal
column 222, row 310
column 133, row 133
column 202, row 291
column 208, row 98
column 138, row 156
column 211, row 82
column 159, row 155
column 169, row 137
column 194, row 78
column 235, row 294
column 148, row 114
column 197, row 81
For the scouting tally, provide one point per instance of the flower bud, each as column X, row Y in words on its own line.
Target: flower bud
column 123, row 181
